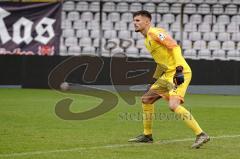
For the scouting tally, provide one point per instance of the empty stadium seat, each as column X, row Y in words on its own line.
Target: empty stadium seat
column 200, row 44
column 204, row 27
column 96, row 42
column 97, row 16
column 149, row 7
column 235, row 1
column 211, row 1
column 171, row 1
column 175, row 27
column 209, row 36
column 156, row 17
column 121, row 25
column 73, row 16
column 223, row 36
column 94, row 6
column 195, row 18
column 135, row 7
column 68, row 33
column 125, row 43
column 114, row 16
column 63, row 50
column 219, row 54
column 127, row 17
column 163, row 8
column 204, row 54
column 231, row 9
column 197, row 1
column 218, row 27
column 110, row 34
column 190, row 27
column 163, row 25
column 124, row 34
column 228, row 45
column 187, row 44
column 189, row 8
column 131, row 27
column 224, row 19
column 89, row 50
column 211, row 19
column 74, row 50
column 66, row 24
column 107, row 25
column 132, row 52
column 87, row 16
column 190, row 53
column 136, row 36
column 217, row 9
column 82, row 6
column 140, row 44
column 233, row 28
column 168, row 18
column 184, row 1
column 214, row 45
column 185, row 18
column 109, row 7
column 82, row 33
column 93, row 25
column 177, row 36
column 79, row 24
column 175, row 8
column 203, row 9
column 224, row 2
column 112, row 43
column 116, row 50
column 94, row 33
column 71, row 41
column 194, row 36
column 233, row 55
column 236, row 37
column 85, row 42
column 68, row 6
column 122, row 7
column 235, row 19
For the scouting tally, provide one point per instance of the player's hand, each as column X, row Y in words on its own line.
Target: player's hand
column 178, row 77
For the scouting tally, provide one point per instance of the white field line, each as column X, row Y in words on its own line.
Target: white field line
column 162, row 142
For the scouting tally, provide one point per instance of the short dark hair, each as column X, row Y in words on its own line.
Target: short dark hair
column 143, row 13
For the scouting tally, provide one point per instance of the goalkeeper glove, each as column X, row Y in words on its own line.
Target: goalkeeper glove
column 178, row 77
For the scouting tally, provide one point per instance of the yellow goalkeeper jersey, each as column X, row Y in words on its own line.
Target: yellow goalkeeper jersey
column 165, row 52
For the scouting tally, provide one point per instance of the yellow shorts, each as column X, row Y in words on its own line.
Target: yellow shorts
column 165, row 87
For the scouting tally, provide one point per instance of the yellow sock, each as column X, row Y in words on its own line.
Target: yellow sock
column 187, row 117
column 148, row 110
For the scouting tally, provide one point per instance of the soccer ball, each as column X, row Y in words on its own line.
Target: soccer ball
column 64, row 86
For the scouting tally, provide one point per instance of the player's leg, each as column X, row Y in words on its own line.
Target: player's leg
column 175, row 100
column 148, row 100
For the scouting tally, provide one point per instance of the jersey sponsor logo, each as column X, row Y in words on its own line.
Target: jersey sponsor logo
column 161, row 36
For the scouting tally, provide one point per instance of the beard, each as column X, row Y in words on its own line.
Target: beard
column 136, row 30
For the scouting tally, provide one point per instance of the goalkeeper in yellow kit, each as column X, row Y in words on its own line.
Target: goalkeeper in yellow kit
column 172, row 75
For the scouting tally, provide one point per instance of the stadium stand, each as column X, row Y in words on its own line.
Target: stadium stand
column 207, row 29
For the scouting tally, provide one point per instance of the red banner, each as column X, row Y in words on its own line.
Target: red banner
column 30, row 28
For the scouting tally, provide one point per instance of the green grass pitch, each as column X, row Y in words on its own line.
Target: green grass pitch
column 30, row 129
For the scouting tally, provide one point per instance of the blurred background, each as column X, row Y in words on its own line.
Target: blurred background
column 207, row 30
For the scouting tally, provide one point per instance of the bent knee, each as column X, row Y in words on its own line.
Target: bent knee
column 173, row 103
column 173, row 106
column 149, row 99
